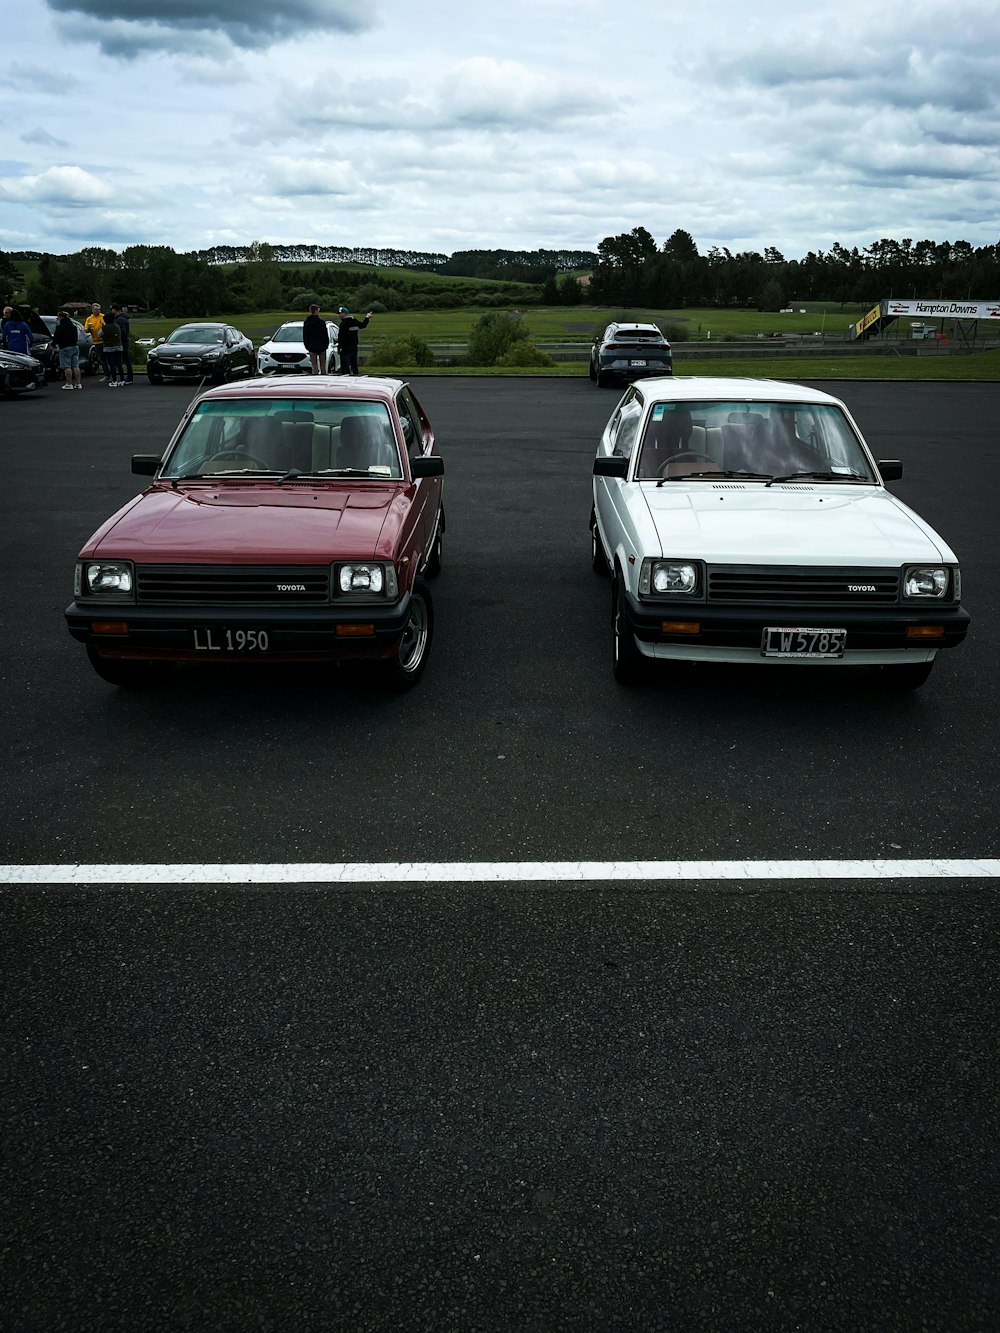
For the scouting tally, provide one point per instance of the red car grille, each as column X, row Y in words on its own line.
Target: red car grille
column 232, row 585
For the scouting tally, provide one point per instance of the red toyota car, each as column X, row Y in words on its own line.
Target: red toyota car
column 290, row 519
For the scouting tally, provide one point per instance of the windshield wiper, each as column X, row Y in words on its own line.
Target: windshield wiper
column 820, row 475
column 686, row 476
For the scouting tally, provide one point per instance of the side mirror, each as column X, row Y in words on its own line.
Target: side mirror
column 610, row 465
column 161, row 340
column 427, row 465
column 890, row 468
column 146, row 465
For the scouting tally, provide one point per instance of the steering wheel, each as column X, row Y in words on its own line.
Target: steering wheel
column 689, row 456
column 236, row 456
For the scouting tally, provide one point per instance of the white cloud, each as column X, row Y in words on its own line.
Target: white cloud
column 60, row 187
column 517, row 124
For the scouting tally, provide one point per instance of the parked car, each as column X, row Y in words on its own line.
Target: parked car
column 216, row 352
column 284, row 353
column 747, row 521
column 20, row 373
column 288, row 520
column 627, row 352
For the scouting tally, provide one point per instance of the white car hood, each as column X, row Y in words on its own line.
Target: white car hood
column 821, row 524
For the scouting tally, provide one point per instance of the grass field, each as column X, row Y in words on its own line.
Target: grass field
column 568, row 324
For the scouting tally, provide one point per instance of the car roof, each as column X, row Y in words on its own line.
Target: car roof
column 369, row 387
column 701, row 388
column 634, row 324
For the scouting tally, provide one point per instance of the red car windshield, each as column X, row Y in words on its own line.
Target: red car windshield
column 329, row 435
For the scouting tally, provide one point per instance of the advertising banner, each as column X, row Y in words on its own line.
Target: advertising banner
column 940, row 309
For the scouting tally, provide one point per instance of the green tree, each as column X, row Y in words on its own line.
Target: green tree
column 45, row 293
column 11, row 278
column 263, row 276
column 492, row 336
column 570, row 291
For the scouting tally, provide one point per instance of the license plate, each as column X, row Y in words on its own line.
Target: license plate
column 799, row 641
column 637, row 363
column 216, row 640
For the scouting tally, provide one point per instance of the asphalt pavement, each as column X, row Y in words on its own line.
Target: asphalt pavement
column 519, row 1106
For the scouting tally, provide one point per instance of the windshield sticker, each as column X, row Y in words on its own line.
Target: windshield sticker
column 380, row 469
column 658, row 411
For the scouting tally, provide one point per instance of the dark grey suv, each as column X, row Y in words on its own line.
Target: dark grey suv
column 627, row 352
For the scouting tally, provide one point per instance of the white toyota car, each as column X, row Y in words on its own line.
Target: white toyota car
column 747, row 521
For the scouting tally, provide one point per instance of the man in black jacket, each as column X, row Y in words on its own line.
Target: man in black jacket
column 347, row 340
column 316, row 339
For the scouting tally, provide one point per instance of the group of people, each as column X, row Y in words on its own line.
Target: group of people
column 110, row 334
column 316, row 337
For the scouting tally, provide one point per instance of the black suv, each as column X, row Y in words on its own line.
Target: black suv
column 627, row 352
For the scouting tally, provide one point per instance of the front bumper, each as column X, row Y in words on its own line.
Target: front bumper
column 189, row 369
column 16, row 380
column 213, row 633
column 875, row 636
column 278, row 365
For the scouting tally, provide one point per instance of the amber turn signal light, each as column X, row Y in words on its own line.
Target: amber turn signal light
column 925, row 631
column 680, row 626
column 355, row 631
column 108, row 627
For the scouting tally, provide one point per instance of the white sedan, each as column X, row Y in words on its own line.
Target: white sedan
column 747, row 521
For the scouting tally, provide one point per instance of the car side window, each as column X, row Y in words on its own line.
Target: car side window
column 627, row 428
column 412, row 430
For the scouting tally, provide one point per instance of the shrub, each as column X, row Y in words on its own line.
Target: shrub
column 492, row 336
column 676, row 333
column 524, row 354
column 408, row 351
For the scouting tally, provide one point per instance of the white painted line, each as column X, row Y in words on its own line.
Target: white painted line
column 496, row 872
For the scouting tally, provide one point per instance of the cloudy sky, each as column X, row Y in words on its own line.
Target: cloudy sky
column 456, row 124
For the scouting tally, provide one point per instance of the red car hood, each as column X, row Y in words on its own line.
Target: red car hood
column 245, row 522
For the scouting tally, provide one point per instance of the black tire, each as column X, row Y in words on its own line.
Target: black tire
column 129, row 675
column 598, row 560
column 627, row 663
column 904, row 676
column 435, row 560
column 154, row 376
column 591, row 372
column 604, row 380
column 405, row 668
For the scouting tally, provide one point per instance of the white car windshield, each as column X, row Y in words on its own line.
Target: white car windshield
column 812, row 441
column 286, row 436
column 289, row 333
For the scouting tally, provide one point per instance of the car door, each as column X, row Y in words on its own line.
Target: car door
column 611, row 494
column 427, row 491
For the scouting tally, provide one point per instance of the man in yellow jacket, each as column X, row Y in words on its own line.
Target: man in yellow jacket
column 94, row 325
